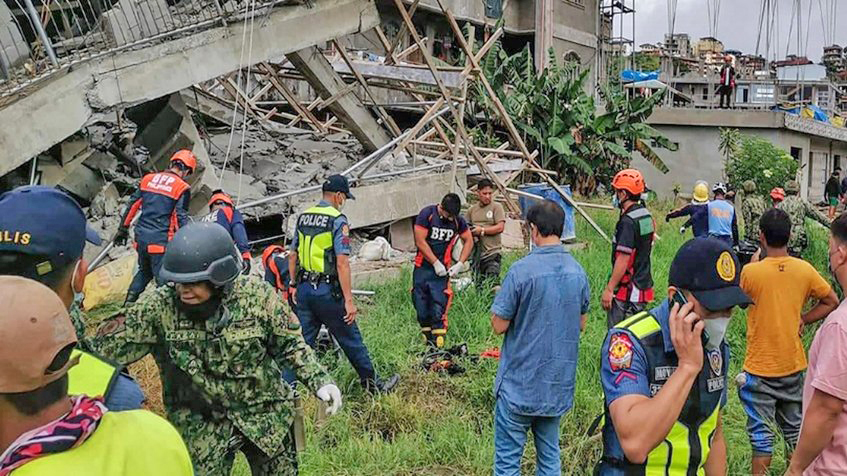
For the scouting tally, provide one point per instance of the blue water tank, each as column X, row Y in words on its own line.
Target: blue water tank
column 548, row 192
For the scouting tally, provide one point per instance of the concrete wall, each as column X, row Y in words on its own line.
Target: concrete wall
column 65, row 104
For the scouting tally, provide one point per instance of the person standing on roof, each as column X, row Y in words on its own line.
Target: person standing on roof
column 223, row 212
column 697, row 210
column 727, row 85
column 46, row 431
column 630, row 287
column 723, row 222
column 798, row 209
column 437, row 229
column 323, row 286
column 163, row 200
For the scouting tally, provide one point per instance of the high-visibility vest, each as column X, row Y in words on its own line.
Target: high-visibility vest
column 129, row 443
column 686, row 448
column 314, row 236
column 92, row 376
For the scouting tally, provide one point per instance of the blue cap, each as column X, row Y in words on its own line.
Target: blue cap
column 710, row 270
column 39, row 220
column 338, row 183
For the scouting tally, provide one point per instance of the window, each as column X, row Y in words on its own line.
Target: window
column 493, row 8
column 836, row 162
column 572, row 57
column 706, row 93
column 797, row 153
column 810, row 169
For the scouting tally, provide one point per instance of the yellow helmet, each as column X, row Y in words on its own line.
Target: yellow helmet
column 701, row 192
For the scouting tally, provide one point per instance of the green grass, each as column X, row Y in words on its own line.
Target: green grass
column 440, row 425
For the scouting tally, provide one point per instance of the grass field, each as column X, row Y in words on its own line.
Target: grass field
column 441, row 425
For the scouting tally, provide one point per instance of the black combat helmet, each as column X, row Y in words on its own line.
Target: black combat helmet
column 201, row 252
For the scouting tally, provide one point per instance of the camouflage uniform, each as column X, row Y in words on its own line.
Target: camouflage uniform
column 797, row 210
column 221, row 378
column 752, row 209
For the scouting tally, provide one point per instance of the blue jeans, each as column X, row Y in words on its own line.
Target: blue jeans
column 149, row 265
column 316, row 306
column 510, row 431
column 125, row 395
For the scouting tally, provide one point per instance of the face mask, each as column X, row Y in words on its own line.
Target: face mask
column 78, row 296
column 616, row 201
column 834, row 276
column 716, row 328
column 202, row 311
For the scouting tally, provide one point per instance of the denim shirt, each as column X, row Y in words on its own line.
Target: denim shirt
column 543, row 295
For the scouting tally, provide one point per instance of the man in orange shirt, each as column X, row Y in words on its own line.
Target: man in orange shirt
column 771, row 385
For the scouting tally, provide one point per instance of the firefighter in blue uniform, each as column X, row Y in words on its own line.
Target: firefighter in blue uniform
column 723, row 222
column 162, row 198
column 324, row 292
column 223, row 212
column 664, row 372
column 437, row 229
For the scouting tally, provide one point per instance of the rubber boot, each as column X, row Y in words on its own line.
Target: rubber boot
column 439, row 337
column 427, row 335
column 131, row 297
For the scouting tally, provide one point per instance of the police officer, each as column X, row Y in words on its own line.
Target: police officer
column 437, row 229
column 223, row 212
column 163, row 200
column 798, row 209
column 221, row 341
column 42, row 237
column 723, row 223
column 664, row 372
column 323, row 292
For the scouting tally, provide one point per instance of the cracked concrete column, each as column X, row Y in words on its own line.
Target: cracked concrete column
column 347, row 107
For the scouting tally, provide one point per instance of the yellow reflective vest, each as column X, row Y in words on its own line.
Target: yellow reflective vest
column 130, row 443
column 314, row 240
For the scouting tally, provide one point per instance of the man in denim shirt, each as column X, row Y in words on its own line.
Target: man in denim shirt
column 541, row 309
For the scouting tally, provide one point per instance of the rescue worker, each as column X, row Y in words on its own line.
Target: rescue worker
column 752, row 209
column 664, row 373
column 275, row 262
column 723, row 222
column 42, row 237
column 798, row 209
column 487, row 220
column 223, row 212
column 163, row 200
column 437, row 229
column 323, row 289
column 777, row 195
column 630, row 287
column 43, row 430
column 221, row 341
column 697, row 210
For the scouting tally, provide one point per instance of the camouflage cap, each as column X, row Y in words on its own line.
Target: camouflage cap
column 749, row 186
column 792, row 186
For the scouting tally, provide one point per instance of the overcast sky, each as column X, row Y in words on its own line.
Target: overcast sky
column 738, row 23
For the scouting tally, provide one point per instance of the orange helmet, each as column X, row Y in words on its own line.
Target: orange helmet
column 629, row 180
column 778, row 194
column 220, row 196
column 186, row 158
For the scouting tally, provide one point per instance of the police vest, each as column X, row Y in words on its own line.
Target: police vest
column 121, row 444
column 314, row 236
column 686, row 447
column 92, row 376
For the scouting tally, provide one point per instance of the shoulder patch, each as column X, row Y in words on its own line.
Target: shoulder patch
column 112, row 326
column 620, row 352
column 345, row 229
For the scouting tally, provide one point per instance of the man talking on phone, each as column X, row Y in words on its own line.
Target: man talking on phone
column 664, row 371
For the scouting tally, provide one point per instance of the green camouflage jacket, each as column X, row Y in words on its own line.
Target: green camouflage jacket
column 798, row 209
column 752, row 209
column 78, row 320
column 228, row 367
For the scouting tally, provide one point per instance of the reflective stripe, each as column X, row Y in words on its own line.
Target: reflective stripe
column 645, row 327
column 92, row 376
column 314, row 242
column 672, row 454
column 705, row 433
column 639, row 213
column 624, row 324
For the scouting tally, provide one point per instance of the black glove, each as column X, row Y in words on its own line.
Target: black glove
column 667, row 218
column 246, row 267
column 120, row 236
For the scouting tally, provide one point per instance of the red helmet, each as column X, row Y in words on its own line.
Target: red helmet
column 629, row 180
column 778, row 194
column 186, row 158
column 220, row 196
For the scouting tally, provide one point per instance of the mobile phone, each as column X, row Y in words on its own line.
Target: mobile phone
column 680, row 299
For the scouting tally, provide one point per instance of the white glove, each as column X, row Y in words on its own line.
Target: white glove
column 440, row 270
column 682, row 230
column 456, row 269
column 332, row 396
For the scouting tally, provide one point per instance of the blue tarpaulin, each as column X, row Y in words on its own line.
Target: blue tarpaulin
column 815, row 112
column 548, row 192
column 629, row 75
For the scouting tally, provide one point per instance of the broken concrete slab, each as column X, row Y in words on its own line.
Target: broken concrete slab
column 83, row 183
column 106, row 202
column 250, row 188
column 402, row 234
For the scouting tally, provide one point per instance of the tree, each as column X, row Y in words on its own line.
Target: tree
column 753, row 158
